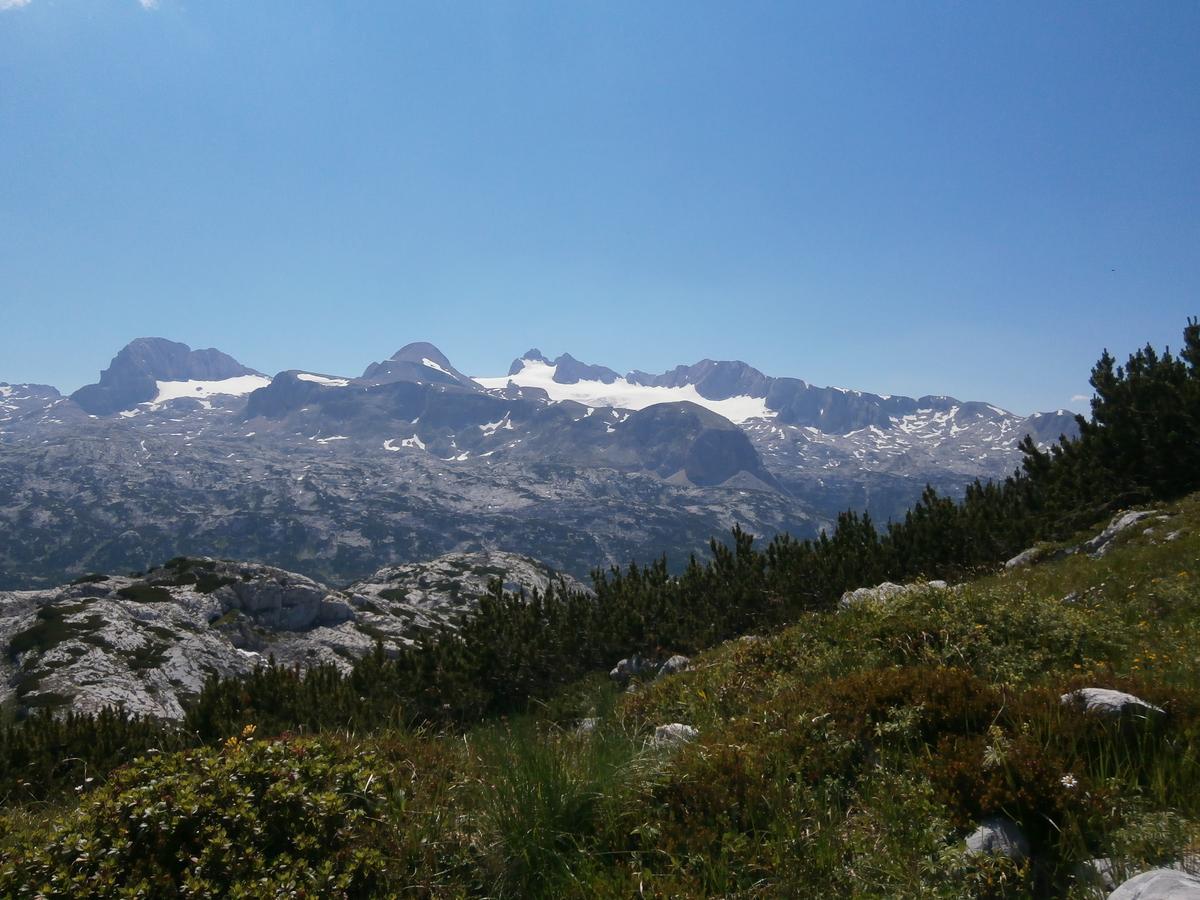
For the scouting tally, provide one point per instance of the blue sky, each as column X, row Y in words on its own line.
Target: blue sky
column 970, row 199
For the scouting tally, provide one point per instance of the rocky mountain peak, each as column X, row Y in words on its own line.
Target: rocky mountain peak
column 569, row 370
column 531, row 355
column 419, row 352
column 133, row 375
column 419, row 361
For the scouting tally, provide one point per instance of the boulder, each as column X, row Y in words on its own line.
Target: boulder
column 998, row 836
column 630, row 667
column 674, row 665
column 586, row 726
column 1026, row 557
column 1159, row 884
column 673, row 734
column 1106, row 702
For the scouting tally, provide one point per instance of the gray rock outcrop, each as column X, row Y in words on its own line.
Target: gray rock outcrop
column 148, row 642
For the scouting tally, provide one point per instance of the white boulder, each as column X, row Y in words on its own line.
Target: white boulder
column 1106, row 702
column 1159, row 884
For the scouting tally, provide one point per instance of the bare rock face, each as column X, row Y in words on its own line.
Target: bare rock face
column 148, row 642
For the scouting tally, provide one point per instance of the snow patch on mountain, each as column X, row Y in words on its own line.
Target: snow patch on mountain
column 322, row 379
column 200, row 390
column 623, row 394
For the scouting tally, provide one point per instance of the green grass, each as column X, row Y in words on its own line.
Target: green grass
column 845, row 755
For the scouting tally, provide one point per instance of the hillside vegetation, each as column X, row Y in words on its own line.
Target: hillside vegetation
column 837, row 752
column 848, row 754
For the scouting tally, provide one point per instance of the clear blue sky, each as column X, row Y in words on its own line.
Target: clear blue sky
column 957, row 198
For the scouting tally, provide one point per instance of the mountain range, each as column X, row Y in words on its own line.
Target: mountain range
column 180, row 451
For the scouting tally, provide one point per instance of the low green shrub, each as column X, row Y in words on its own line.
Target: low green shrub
column 250, row 819
column 145, row 593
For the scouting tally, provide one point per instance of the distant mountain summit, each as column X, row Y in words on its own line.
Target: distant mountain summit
column 135, row 374
column 420, row 362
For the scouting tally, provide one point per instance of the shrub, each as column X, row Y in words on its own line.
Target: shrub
column 249, row 819
column 145, row 593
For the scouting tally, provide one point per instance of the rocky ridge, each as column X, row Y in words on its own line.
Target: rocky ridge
column 147, row 642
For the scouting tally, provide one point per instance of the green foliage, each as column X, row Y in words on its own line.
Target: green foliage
column 543, row 798
column 248, row 820
column 48, row 755
column 92, row 578
column 145, row 593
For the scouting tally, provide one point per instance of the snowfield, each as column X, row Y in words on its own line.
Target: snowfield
column 321, row 379
column 624, row 395
column 200, row 390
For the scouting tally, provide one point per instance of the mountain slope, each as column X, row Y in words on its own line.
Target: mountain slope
column 853, row 754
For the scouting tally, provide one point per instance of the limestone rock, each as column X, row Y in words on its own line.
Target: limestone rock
column 1099, row 545
column 147, row 643
column 1103, row 701
column 630, row 667
column 674, row 665
column 998, row 836
column 674, row 734
column 1026, row 557
column 1159, row 884
column 886, row 591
